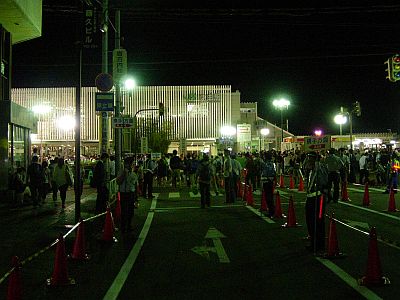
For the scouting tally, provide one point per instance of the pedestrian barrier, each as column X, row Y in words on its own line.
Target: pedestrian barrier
column 263, row 201
column 278, row 207
column 60, row 273
column 249, row 196
column 301, row 185
column 333, row 245
column 366, row 195
column 14, row 290
column 373, row 275
column 345, row 194
column 281, row 181
column 79, row 249
column 291, row 182
column 392, row 202
column 291, row 219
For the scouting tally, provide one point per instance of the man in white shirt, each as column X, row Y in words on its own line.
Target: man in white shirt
column 363, row 168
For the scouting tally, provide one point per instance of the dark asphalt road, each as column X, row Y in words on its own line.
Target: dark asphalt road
column 179, row 251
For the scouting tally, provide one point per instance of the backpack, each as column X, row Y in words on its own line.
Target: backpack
column 205, row 173
column 268, row 170
column 36, row 175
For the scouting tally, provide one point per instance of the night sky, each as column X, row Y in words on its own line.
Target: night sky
column 320, row 58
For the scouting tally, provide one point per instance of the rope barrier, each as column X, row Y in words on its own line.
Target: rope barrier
column 113, row 188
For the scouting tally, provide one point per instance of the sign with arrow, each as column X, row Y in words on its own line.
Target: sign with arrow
column 214, row 235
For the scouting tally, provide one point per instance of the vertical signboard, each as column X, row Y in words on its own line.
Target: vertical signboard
column 244, row 133
column 120, row 64
column 91, row 32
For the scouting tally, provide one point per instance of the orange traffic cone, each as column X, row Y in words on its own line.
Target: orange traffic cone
column 281, row 181
column 79, row 250
column 291, row 182
column 278, row 207
column 263, row 202
column 333, row 245
column 291, row 219
column 60, row 273
column 249, row 196
column 301, row 185
column 14, row 291
column 373, row 275
column 392, row 202
column 117, row 211
column 366, row 195
column 345, row 195
column 108, row 230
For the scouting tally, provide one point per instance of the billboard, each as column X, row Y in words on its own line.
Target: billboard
column 317, row 143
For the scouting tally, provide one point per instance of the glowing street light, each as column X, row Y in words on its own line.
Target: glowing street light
column 66, row 123
column 264, row 132
column 318, row 132
column 228, row 131
column 130, row 84
column 281, row 104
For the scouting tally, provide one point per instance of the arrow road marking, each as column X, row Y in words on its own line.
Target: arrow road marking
column 218, row 248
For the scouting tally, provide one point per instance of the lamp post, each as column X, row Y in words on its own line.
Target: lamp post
column 340, row 119
column 281, row 104
column 228, row 132
column 264, row 132
column 40, row 110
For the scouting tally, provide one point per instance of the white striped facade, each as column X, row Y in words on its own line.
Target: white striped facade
column 194, row 112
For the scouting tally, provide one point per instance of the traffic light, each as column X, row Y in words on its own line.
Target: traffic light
column 161, row 109
column 357, row 108
column 396, row 67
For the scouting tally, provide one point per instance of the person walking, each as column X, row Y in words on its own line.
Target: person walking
column 127, row 181
column 62, row 179
column 35, row 181
column 46, row 185
column 203, row 174
column 100, row 180
column 363, row 168
column 236, row 170
column 268, row 174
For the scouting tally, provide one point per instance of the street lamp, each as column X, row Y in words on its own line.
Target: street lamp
column 228, row 132
column 341, row 119
column 281, row 104
column 264, row 132
column 40, row 110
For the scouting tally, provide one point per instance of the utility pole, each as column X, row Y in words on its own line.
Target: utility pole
column 117, row 131
column 104, row 140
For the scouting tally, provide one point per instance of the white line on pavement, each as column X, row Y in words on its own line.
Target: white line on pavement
column 370, row 210
column 258, row 213
column 352, row 282
column 123, row 274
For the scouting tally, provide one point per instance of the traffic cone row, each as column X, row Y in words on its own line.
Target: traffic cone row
column 333, row 245
column 263, row 201
column 108, row 229
column 79, row 249
column 281, row 181
column 14, row 291
column 373, row 275
column 249, row 196
column 60, row 274
column 366, row 195
column 345, row 195
column 278, row 207
column 291, row 182
column 392, row 202
column 301, row 185
column 291, row 219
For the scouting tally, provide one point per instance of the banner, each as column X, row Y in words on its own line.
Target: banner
column 91, row 33
column 317, row 143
